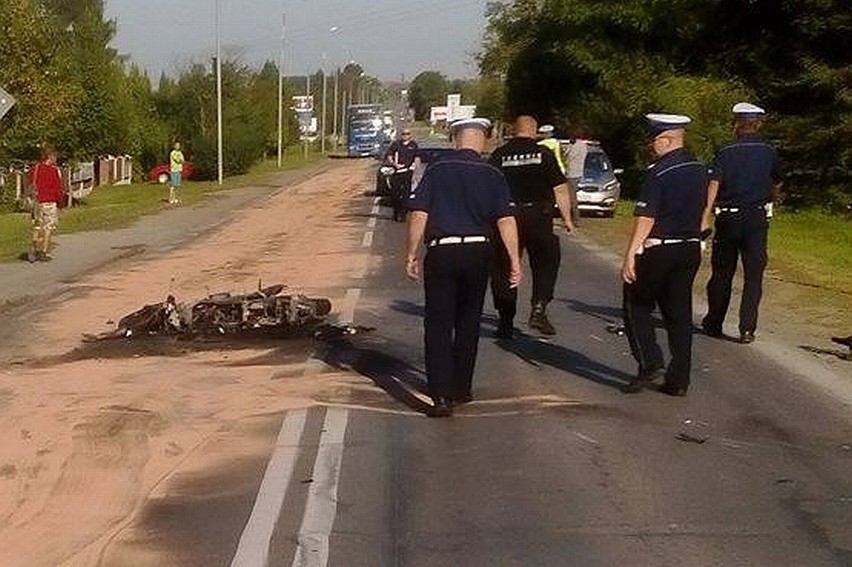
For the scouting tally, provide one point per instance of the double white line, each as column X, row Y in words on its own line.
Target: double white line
column 321, row 508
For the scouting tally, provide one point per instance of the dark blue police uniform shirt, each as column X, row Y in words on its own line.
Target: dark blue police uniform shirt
column 674, row 194
column 463, row 196
column 407, row 152
column 746, row 170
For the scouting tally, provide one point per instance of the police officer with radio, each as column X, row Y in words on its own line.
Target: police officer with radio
column 537, row 183
column 663, row 256
column 744, row 178
column 401, row 155
column 454, row 210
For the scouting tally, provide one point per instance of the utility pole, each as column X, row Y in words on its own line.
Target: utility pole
column 336, row 95
column 324, row 96
column 219, row 95
column 342, row 128
column 281, row 92
column 307, row 93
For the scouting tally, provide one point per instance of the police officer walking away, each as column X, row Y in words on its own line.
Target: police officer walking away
column 663, row 256
column 454, row 210
column 537, row 182
column 401, row 155
column 744, row 178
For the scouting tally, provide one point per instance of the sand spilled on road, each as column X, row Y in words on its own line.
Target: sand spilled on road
column 85, row 442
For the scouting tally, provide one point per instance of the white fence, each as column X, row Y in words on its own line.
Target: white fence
column 79, row 180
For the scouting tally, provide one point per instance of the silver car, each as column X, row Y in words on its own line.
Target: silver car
column 598, row 190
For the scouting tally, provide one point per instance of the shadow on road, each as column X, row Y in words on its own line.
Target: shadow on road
column 398, row 378
column 419, row 310
column 537, row 353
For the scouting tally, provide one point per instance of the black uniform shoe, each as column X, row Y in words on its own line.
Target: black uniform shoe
column 711, row 330
column 504, row 332
column 746, row 337
column 673, row 390
column 642, row 380
column 538, row 320
column 461, row 400
column 441, row 408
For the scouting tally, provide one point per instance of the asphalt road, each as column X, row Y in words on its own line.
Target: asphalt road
column 551, row 465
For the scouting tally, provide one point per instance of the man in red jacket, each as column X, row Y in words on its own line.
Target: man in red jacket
column 46, row 180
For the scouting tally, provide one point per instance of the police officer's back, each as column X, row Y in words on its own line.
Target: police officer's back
column 454, row 210
column 745, row 175
column 537, row 183
column 663, row 256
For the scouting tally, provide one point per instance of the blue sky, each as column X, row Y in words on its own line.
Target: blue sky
column 389, row 38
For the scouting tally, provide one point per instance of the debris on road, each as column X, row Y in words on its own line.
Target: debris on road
column 615, row 329
column 693, row 431
column 845, row 341
column 265, row 311
column 692, row 437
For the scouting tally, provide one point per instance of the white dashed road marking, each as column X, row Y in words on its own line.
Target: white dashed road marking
column 253, row 549
column 321, row 507
column 347, row 313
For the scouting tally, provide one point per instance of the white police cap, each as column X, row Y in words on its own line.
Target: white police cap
column 747, row 110
column 659, row 123
column 546, row 129
column 481, row 123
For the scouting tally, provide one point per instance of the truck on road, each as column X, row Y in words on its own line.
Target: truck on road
column 365, row 130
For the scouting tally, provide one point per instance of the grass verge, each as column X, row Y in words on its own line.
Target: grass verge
column 808, row 283
column 116, row 206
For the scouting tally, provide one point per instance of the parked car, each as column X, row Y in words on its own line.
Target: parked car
column 599, row 189
column 160, row 173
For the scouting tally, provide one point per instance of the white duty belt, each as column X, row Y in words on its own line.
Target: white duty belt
column 651, row 242
column 766, row 207
column 444, row 240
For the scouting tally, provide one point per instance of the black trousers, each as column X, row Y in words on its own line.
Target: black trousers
column 400, row 185
column 664, row 278
column 455, row 277
column 737, row 234
column 535, row 235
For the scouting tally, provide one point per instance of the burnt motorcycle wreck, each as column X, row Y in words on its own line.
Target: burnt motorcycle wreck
column 265, row 312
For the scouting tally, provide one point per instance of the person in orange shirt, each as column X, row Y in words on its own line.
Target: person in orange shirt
column 46, row 180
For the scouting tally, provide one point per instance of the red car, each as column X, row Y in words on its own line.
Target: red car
column 161, row 173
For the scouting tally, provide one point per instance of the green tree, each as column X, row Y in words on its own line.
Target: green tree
column 428, row 89
column 605, row 64
column 36, row 71
column 96, row 125
column 146, row 130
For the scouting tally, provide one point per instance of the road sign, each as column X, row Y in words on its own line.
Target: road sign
column 7, row 101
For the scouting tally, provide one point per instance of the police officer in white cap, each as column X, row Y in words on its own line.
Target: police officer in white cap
column 744, row 178
column 454, row 210
column 663, row 256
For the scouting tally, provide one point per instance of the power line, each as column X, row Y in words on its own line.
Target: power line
column 363, row 21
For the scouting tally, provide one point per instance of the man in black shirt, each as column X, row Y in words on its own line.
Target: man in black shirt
column 401, row 155
column 744, row 178
column 537, row 183
column 663, row 256
column 454, row 210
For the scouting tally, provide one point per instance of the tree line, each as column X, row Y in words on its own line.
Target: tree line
column 602, row 65
column 76, row 93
